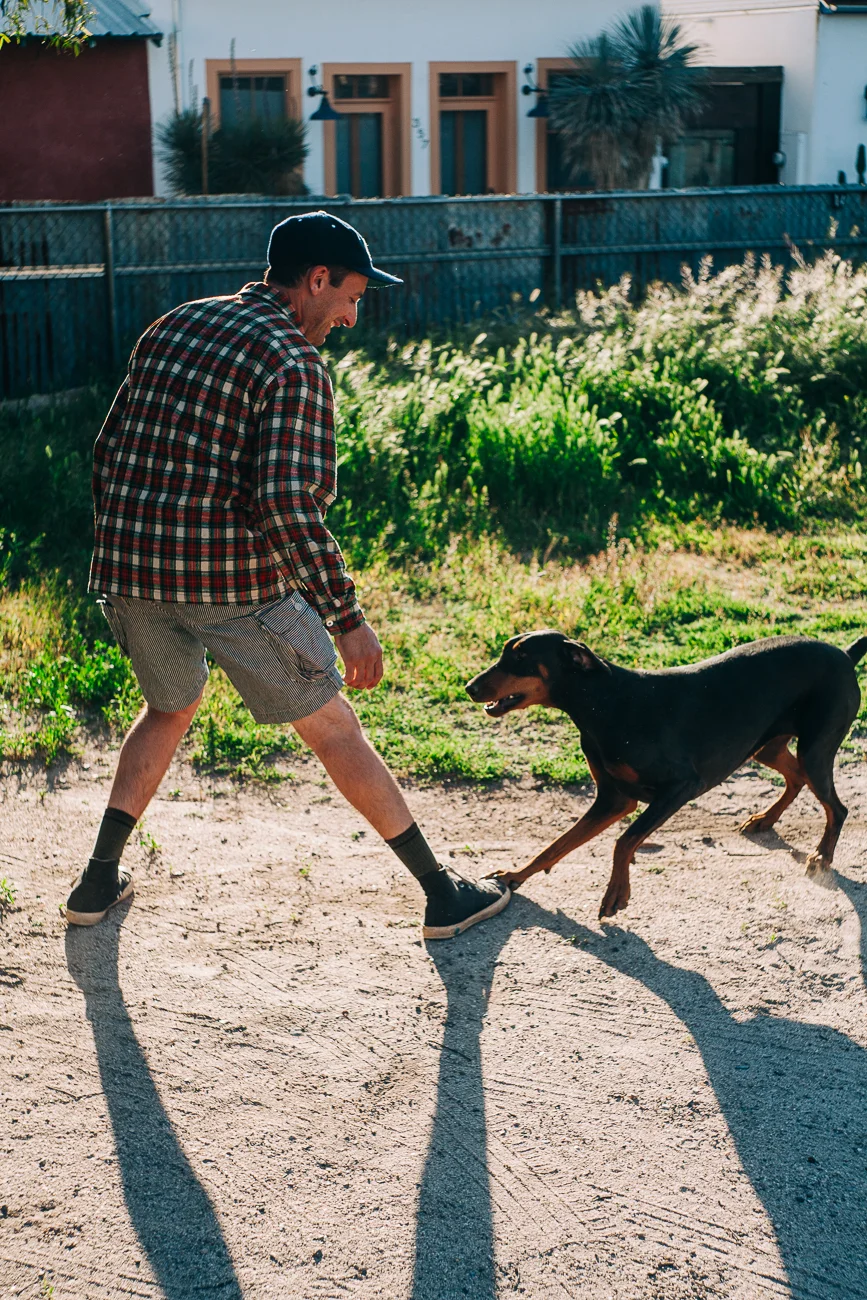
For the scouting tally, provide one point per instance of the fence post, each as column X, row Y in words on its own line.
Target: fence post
column 110, row 295
column 557, row 253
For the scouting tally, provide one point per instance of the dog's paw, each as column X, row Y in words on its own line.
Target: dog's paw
column 755, row 825
column 819, row 869
column 615, row 900
column 514, row 879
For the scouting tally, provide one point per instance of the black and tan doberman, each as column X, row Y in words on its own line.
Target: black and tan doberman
column 663, row 738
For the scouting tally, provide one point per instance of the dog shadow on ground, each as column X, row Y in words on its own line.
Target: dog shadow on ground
column 792, row 1094
column 168, row 1207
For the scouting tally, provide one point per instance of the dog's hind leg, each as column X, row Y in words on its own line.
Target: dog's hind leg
column 818, row 764
column 608, row 807
column 776, row 754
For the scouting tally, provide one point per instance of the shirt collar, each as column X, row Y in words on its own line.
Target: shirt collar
column 273, row 297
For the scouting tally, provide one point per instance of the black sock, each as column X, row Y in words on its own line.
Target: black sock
column 114, row 831
column 415, row 853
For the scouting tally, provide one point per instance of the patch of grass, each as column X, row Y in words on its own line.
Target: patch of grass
column 664, row 480
column 441, row 623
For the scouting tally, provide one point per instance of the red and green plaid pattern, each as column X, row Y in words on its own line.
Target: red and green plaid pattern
column 216, row 464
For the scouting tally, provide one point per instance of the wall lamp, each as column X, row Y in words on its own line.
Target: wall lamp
column 540, row 108
column 324, row 113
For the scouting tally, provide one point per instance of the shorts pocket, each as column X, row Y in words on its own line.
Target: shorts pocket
column 299, row 636
column 114, row 622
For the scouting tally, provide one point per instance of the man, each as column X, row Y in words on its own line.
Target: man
column 212, row 474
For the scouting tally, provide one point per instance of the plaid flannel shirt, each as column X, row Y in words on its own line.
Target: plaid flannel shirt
column 217, row 462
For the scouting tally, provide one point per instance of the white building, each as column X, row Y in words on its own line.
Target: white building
column 430, row 95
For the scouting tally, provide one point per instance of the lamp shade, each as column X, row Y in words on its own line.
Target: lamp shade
column 325, row 113
column 540, row 108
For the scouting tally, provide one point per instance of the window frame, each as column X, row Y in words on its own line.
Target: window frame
column 396, row 155
column 288, row 68
column 502, row 122
column 544, row 67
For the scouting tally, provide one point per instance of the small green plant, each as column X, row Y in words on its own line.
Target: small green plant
column 149, row 843
column 8, row 893
column 46, row 1286
column 304, row 872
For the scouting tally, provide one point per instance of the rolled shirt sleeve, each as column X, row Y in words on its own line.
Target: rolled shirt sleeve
column 294, row 483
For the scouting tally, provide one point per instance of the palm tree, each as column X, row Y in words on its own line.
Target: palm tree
column 632, row 86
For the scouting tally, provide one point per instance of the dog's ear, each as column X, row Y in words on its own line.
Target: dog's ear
column 579, row 656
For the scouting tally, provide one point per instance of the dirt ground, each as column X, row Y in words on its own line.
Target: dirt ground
column 256, row 1081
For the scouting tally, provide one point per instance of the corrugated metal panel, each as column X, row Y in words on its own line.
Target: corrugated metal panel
column 115, row 18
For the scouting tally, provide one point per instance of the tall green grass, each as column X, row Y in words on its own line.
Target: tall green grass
column 490, row 482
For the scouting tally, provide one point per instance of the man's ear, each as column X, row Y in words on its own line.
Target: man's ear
column 318, row 278
column 580, row 657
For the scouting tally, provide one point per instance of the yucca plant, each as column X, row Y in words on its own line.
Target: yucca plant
column 633, row 85
column 179, row 143
column 253, row 156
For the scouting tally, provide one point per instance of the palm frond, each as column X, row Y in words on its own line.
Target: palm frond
column 630, row 86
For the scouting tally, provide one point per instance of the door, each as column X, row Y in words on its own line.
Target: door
column 464, row 151
column 359, row 155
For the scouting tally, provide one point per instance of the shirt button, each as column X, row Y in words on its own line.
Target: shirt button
column 329, row 622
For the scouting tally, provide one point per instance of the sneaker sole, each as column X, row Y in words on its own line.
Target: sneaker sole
column 452, row 931
column 93, row 918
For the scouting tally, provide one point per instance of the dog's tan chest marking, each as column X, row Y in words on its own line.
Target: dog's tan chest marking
column 621, row 771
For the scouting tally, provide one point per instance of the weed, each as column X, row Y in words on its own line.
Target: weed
column 148, row 843
column 8, row 893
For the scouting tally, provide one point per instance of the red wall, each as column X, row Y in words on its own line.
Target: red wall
column 75, row 128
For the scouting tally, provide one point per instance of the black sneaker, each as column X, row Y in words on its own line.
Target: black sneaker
column 99, row 887
column 456, row 903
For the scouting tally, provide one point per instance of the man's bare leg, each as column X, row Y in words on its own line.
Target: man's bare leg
column 453, row 903
column 336, row 738
column 144, row 759
column 145, row 756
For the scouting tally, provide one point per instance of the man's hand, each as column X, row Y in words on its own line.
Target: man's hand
column 362, row 657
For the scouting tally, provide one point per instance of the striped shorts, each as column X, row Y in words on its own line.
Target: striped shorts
column 279, row 657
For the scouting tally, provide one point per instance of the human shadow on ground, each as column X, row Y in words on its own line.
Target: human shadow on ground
column 454, row 1245
column 168, row 1207
column 792, row 1094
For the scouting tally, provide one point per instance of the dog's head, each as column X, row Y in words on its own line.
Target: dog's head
column 532, row 669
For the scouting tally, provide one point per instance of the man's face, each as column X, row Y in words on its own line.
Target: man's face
column 321, row 305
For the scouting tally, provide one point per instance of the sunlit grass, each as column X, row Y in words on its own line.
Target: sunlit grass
column 662, row 479
column 653, row 606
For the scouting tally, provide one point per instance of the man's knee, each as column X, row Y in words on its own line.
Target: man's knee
column 336, row 723
column 175, row 721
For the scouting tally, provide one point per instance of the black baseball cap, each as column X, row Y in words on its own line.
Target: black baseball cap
column 319, row 239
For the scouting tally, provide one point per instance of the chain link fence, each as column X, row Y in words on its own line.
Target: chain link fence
column 78, row 283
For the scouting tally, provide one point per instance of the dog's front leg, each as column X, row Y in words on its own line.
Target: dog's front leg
column 608, row 807
column 659, row 810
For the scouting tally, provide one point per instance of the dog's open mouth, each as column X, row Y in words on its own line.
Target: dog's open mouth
column 497, row 708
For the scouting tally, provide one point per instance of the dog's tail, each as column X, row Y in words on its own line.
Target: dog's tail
column 858, row 649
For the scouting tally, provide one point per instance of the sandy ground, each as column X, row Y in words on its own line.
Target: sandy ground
column 257, row 1082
